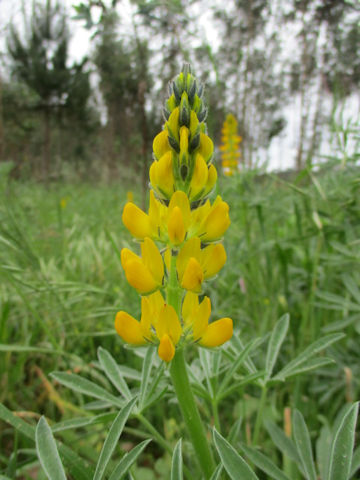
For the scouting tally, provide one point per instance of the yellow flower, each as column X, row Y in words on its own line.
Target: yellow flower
column 196, row 320
column 144, row 273
column 230, row 146
column 195, row 264
column 159, row 322
column 211, row 221
column 161, row 175
column 177, row 222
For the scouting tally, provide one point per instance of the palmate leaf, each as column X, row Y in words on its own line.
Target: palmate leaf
column 282, row 442
column 125, row 463
column 264, row 463
column 47, row 452
column 233, row 463
column 307, row 354
column 112, row 439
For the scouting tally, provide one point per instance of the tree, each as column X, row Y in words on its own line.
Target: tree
column 40, row 61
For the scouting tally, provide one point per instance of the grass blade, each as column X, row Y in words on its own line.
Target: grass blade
column 234, row 464
column 112, row 439
column 47, row 451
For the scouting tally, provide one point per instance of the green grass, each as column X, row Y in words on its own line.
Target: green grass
column 293, row 246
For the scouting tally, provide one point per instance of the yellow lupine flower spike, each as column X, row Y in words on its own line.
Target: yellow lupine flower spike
column 183, row 224
column 230, row 146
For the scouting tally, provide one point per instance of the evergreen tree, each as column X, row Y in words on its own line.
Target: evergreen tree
column 40, row 61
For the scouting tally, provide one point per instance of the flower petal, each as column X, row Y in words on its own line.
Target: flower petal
column 212, row 259
column 139, row 277
column 176, row 228
column 189, row 306
column 136, row 221
column 168, row 323
column 193, row 276
column 161, row 144
column 166, row 349
column 206, row 147
column 201, row 318
column 217, row 333
column 212, row 177
column 152, row 259
column 191, row 248
column 199, row 178
column 216, row 223
column 129, row 329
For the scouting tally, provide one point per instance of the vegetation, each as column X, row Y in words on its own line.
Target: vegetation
column 280, row 399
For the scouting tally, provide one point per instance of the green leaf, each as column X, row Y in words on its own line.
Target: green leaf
column 25, row 348
column 82, row 422
column 82, row 385
column 234, row 464
column 126, row 462
column 2, row 477
column 309, row 352
column 355, row 464
column 323, row 445
column 113, row 372
column 342, row 446
column 276, row 340
column 176, row 464
column 112, row 439
column 236, row 364
column 251, row 378
column 303, row 444
column 264, row 463
column 282, row 442
column 312, row 364
column 75, row 465
column 217, row 474
column 47, row 451
column 145, row 376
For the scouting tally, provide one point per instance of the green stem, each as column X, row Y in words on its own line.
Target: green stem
column 174, row 291
column 191, row 414
column 214, row 405
column 259, row 415
column 158, row 437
